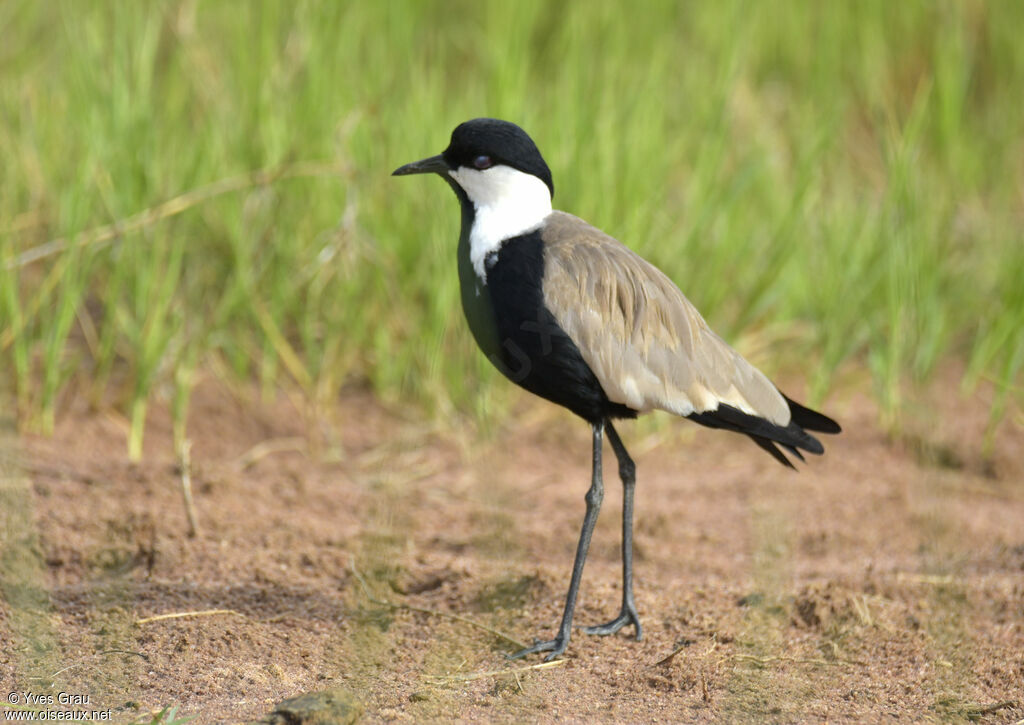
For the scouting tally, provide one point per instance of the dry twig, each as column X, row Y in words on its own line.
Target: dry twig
column 185, row 456
column 669, row 657
column 933, row 579
column 976, row 711
column 268, row 447
column 794, row 660
column 514, row 672
column 173, row 207
column 183, row 615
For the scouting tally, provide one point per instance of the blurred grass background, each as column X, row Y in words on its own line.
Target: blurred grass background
column 191, row 185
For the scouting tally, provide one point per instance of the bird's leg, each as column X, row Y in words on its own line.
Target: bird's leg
column 557, row 645
column 627, row 472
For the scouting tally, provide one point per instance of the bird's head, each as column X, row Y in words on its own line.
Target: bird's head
column 492, row 161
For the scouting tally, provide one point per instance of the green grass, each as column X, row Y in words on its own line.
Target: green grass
column 188, row 182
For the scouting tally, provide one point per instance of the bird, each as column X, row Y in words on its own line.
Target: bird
column 574, row 316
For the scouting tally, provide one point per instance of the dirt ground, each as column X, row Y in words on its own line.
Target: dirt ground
column 883, row 582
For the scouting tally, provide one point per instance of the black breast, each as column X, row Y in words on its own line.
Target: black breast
column 518, row 333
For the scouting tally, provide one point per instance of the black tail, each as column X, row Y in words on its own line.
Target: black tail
column 811, row 419
column 767, row 434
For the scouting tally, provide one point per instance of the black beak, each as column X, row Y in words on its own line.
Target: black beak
column 433, row 165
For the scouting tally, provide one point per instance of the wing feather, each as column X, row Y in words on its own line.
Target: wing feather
column 647, row 344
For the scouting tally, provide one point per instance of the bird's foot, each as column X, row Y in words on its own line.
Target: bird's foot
column 628, row 615
column 554, row 647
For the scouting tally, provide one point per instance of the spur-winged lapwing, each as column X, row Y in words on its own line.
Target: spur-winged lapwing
column 572, row 315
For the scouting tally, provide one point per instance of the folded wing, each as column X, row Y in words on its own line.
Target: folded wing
column 645, row 342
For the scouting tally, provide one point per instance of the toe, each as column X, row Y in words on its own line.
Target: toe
column 554, row 646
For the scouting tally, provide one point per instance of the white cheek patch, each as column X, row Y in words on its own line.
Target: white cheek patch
column 508, row 203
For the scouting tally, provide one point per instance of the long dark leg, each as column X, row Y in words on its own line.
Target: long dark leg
column 627, row 472
column 557, row 645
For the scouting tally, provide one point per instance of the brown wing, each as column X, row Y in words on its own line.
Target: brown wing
column 645, row 342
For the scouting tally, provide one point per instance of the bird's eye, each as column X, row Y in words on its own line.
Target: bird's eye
column 483, row 162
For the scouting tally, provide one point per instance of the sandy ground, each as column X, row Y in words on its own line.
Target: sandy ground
column 883, row 582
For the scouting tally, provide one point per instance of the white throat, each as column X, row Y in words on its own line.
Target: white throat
column 508, row 203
